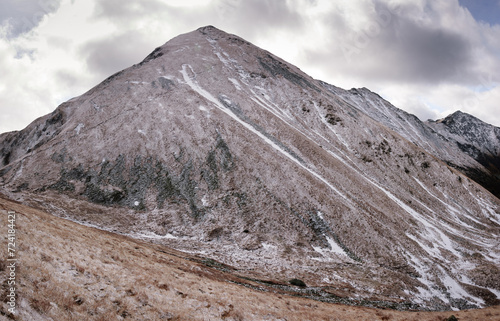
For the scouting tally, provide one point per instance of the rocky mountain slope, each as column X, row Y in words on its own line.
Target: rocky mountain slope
column 461, row 140
column 68, row 271
column 214, row 146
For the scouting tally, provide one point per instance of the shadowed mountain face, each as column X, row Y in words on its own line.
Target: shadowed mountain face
column 217, row 147
column 477, row 139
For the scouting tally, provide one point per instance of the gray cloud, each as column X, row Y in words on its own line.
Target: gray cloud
column 395, row 47
column 67, row 77
column 107, row 56
column 254, row 18
column 248, row 19
column 126, row 11
column 422, row 53
column 21, row 16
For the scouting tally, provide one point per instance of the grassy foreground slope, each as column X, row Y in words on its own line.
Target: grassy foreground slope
column 67, row 271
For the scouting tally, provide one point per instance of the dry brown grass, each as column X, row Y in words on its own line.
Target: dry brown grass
column 71, row 272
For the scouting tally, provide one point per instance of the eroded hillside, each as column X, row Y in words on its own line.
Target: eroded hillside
column 67, row 271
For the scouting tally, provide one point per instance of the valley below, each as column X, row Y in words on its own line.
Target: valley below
column 68, row 271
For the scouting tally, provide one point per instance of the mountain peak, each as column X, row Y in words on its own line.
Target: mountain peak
column 208, row 29
column 457, row 115
column 215, row 145
column 209, row 32
column 477, row 139
column 215, row 34
column 461, row 120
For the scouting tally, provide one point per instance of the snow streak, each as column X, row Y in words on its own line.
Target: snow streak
column 196, row 87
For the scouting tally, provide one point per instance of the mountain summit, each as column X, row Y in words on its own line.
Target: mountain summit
column 214, row 146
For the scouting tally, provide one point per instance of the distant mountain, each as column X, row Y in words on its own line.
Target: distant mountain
column 477, row 139
column 214, row 146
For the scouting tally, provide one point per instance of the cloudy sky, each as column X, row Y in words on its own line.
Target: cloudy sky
column 428, row 57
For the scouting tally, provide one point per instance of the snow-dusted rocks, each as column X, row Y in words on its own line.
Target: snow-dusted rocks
column 214, row 146
column 460, row 140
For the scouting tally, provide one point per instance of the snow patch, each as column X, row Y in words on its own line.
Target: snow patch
column 235, row 83
column 268, row 246
column 20, row 170
column 223, row 60
column 78, row 128
column 151, row 235
column 455, row 289
column 488, row 211
column 135, row 82
column 431, row 289
column 334, row 248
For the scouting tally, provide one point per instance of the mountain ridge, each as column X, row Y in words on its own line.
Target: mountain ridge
column 472, row 149
column 216, row 146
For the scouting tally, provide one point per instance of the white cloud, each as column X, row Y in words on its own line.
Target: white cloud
column 434, row 102
column 35, row 84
